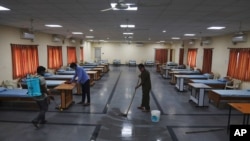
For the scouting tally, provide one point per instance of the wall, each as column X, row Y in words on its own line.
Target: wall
column 126, row 52
column 10, row 35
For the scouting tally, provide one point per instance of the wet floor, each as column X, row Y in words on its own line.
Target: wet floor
column 108, row 117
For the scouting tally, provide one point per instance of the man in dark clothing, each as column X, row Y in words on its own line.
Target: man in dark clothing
column 83, row 80
column 146, row 87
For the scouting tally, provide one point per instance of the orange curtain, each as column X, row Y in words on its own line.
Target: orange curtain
column 192, row 53
column 71, row 55
column 161, row 55
column 24, row 60
column 54, row 57
column 232, row 64
column 181, row 56
column 81, row 54
column 207, row 60
column 239, row 64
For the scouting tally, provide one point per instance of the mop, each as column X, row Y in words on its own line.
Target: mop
column 126, row 114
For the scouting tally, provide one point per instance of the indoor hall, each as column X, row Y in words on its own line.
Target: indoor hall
column 180, row 119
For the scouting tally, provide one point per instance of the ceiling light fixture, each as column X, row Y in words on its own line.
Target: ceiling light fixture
column 164, row 31
column 188, row 34
column 4, row 8
column 77, row 33
column 128, row 6
column 175, row 38
column 89, row 37
column 53, row 25
column 91, row 30
column 127, row 26
column 128, row 33
column 216, row 27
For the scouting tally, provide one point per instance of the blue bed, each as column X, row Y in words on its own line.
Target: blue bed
column 116, row 62
column 4, row 92
column 180, row 79
column 61, row 72
column 149, row 63
column 59, row 77
column 235, row 95
column 49, row 83
column 214, row 83
column 132, row 63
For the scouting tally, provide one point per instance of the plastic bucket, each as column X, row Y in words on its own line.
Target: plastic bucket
column 155, row 115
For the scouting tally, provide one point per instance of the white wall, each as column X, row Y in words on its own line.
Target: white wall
column 126, row 52
column 10, row 35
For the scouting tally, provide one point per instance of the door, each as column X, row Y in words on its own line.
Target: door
column 98, row 54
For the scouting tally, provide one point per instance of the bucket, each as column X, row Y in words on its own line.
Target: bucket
column 155, row 115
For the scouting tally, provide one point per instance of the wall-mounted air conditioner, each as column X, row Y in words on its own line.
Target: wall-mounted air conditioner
column 56, row 38
column 239, row 38
column 206, row 41
column 27, row 35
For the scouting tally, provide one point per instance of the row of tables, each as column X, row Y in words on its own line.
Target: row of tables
column 56, row 82
column 199, row 84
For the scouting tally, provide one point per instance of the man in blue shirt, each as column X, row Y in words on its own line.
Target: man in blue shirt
column 83, row 80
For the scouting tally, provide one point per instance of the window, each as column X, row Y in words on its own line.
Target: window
column 24, row 60
column 54, row 57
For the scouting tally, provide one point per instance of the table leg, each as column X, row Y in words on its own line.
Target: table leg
column 229, row 117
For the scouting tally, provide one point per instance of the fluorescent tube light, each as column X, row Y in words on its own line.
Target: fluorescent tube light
column 79, row 33
column 134, row 8
column 127, row 26
column 4, row 8
column 175, row 38
column 216, row 27
column 53, row 25
column 188, row 34
column 89, row 37
column 128, row 33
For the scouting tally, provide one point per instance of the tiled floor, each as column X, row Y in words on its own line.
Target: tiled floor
column 180, row 119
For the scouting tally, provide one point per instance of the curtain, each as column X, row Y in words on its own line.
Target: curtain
column 54, row 57
column 81, row 54
column 181, row 56
column 239, row 64
column 161, row 55
column 192, row 53
column 207, row 60
column 232, row 64
column 24, row 60
column 71, row 55
column 171, row 55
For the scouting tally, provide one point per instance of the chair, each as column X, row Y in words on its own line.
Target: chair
column 233, row 84
column 11, row 84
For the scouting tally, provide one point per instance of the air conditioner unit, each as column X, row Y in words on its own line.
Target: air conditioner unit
column 27, row 35
column 139, row 44
column 239, row 38
column 206, row 41
column 56, row 38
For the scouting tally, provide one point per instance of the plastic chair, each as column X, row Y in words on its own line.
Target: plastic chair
column 233, row 84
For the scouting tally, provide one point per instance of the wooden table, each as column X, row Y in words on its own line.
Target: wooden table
column 99, row 72
column 200, row 99
column 93, row 75
column 244, row 108
column 66, row 94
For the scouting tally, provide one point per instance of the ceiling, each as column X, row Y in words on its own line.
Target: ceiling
column 176, row 17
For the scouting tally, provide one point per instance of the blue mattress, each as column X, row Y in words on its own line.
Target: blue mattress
column 49, row 83
column 70, row 72
column 191, row 76
column 15, row 93
column 233, row 93
column 186, row 72
column 209, row 81
column 59, row 77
